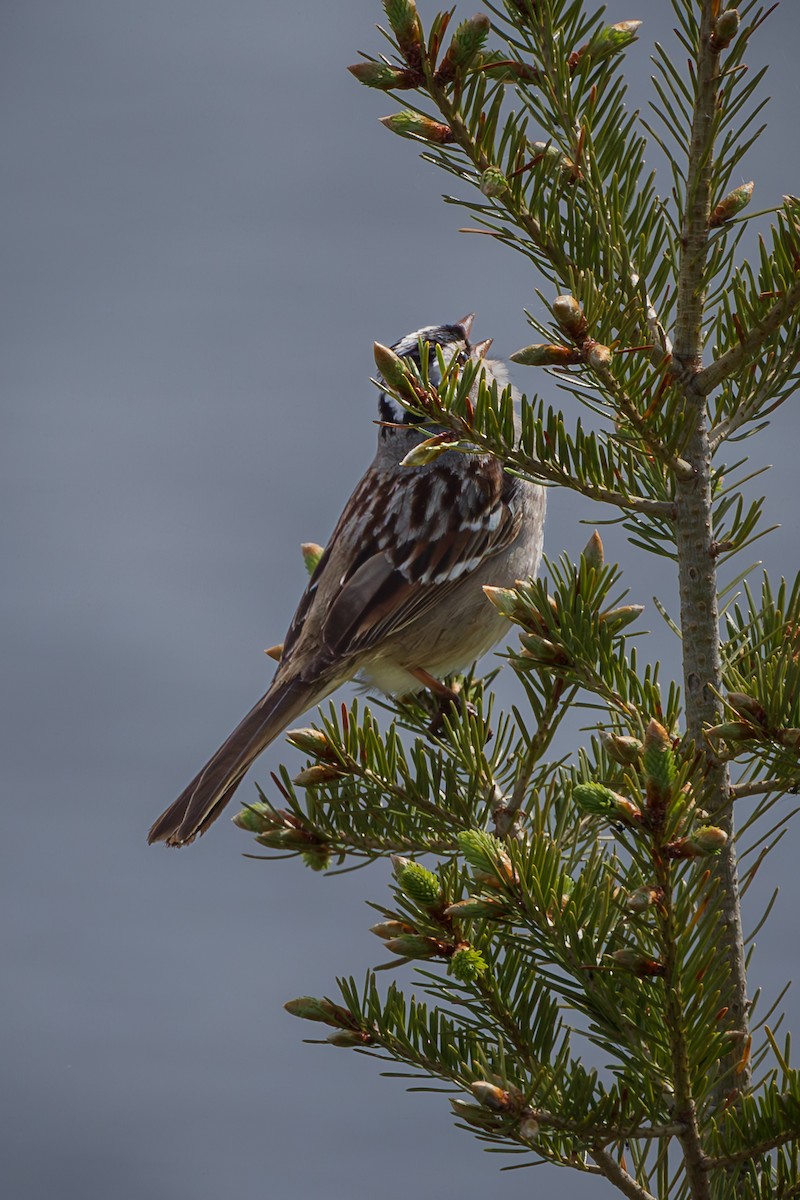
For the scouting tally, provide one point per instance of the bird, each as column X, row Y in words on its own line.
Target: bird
column 397, row 597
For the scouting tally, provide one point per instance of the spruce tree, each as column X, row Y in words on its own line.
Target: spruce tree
column 551, row 905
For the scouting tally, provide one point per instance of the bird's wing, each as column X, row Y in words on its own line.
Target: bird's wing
column 440, row 526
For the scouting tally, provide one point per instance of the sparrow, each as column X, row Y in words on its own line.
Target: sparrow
column 397, row 597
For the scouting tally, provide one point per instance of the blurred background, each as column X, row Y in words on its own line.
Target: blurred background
column 205, row 229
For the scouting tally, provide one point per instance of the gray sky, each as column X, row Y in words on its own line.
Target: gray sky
column 204, row 231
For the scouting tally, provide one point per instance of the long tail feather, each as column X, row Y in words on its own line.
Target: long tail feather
column 199, row 805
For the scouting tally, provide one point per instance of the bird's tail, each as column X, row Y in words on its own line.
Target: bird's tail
column 199, row 805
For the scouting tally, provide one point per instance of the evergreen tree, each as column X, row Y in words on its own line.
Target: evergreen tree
column 594, row 898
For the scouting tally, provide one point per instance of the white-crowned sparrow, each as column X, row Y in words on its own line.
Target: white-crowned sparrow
column 397, row 596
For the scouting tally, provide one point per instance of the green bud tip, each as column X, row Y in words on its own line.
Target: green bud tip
column 393, row 369
column 468, row 40
column 286, row 839
column 598, row 800
column 659, row 760
column 381, row 75
column 484, row 852
column 709, row 838
column 390, row 929
column 615, row 37
column 413, row 125
column 731, row 205
column 400, row 13
column 312, row 553
column 467, row 964
column 493, row 182
column 706, row 841
column 420, row 885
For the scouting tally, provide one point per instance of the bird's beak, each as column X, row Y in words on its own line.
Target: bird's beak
column 482, row 348
column 466, row 324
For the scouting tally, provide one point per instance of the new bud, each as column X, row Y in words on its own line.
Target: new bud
column 493, row 182
column 553, row 158
column 383, row 76
column 616, row 619
column 569, row 315
column 420, row 885
column 731, row 731
column 529, row 1128
column 391, row 929
column 598, row 800
column 638, row 963
column 413, row 125
column 597, row 355
column 311, row 1009
column 542, row 650
column 415, row 946
column 404, row 20
column 394, row 372
column 748, row 708
column 312, row 553
column 626, row 751
column 642, row 899
column 255, row 818
column 429, row 450
column 485, row 853
column 493, row 1097
column 659, row 765
column 473, row 1115
column 468, row 41
column 347, row 1038
column 310, row 741
column 505, row 600
column 732, row 205
column 726, row 28
column 593, row 553
column 467, row 964
column 317, row 774
column 707, row 840
column 477, row 907
column 611, row 40
column 546, row 355
column 508, row 70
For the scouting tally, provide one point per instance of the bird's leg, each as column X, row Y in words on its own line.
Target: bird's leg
column 446, row 696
